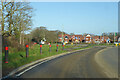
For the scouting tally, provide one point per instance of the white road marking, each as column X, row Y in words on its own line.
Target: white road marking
column 30, row 68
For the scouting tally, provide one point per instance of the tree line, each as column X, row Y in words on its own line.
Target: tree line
column 16, row 19
column 41, row 33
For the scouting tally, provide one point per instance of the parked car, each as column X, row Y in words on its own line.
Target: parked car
column 42, row 42
column 116, row 42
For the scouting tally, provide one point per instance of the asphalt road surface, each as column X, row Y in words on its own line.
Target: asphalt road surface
column 80, row 64
column 108, row 60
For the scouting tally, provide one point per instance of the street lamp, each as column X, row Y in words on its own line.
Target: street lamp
column 62, row 33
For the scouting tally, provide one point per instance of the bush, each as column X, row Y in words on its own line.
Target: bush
column 12, row 43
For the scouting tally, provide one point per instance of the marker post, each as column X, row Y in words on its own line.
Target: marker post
column 63, row 47
column 40, row 48
column 50, row 48
column 27, row 50
column 57, row 48
column 6, row 54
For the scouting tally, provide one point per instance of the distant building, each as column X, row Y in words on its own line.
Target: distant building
column 88, row 38
column 65, row 38
column 80, row 38
column 96, row 39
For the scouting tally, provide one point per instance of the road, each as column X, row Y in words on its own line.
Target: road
column 80, row 64
column 108, row 61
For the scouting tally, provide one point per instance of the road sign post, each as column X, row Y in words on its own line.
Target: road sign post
column 40, row 49
column 27, row 50
column 6, row 54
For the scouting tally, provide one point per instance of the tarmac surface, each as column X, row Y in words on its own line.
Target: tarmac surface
column 108, row 60
column 79, row 64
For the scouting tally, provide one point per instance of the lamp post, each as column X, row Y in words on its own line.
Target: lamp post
column 62, row 37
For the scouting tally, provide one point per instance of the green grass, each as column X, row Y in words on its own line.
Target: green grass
column 102, row 44
column 15, row 60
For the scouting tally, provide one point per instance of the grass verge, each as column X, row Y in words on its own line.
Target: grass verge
column 18, row 59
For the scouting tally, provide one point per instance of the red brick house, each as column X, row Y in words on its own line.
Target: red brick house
column 88, row 38
column 65, row 38
column 79, row 38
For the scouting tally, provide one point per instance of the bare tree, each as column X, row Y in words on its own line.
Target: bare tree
column 16, row 19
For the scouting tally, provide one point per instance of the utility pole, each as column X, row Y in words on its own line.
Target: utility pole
column 103, row 37
column 114, row 36
column 62, row 33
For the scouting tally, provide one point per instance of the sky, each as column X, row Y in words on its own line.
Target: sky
column 76, row 17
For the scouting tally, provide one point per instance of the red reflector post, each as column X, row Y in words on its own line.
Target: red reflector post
column 63, row 47
column 27, row 50
column 6, row 62
column 6, row 54
column 27, row 46
column 49, row 48
column 40, row 49
column 40, row 45
column 57, row 48
column 6, row 48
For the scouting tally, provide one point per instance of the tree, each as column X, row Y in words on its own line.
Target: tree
column 39, row 33
column 16, row 19
column 3, row 16
column 51, row 36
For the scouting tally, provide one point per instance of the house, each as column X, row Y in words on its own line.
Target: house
column 76, row 38
column 88, row 38
column 104, row 39
column 71, row 38
column 80, row 38
column 64, row 38
column 96, row 39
